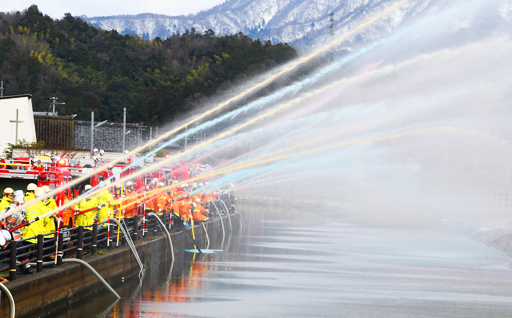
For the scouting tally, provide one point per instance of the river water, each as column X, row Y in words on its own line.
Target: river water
column 286, row 264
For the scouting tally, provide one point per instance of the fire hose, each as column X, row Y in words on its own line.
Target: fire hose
column 165, row 229
column 77, row 212
column 12, row 309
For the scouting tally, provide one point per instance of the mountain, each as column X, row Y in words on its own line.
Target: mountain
column 297, row 22
column 102, row 71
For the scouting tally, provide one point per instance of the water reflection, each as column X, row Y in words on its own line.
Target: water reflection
column 295, row 268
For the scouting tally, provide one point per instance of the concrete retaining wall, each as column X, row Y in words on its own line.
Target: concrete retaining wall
column 42, row 294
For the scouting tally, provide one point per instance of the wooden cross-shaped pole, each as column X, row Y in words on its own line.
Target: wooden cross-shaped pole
column 16, row 121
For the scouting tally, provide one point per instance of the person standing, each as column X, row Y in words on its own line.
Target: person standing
column 50, row 205
column 16, row 218
column 7, row 198
column 102, row 199
column 31, row 188
column 35, row 211
column 87, row 218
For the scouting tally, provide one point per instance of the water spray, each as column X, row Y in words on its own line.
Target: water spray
column 285, row 70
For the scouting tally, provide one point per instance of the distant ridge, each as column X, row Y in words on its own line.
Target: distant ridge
column 298, row 22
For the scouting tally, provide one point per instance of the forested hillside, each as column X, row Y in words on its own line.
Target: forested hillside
column 103, row 71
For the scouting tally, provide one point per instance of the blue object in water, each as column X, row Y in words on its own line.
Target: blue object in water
column 205, row 251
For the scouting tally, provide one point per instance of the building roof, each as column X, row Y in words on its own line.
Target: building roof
column 45, row 114
column 16, row 96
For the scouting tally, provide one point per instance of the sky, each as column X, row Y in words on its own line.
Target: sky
column 93, row 8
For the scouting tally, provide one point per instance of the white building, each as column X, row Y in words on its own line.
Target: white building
column 16, row 120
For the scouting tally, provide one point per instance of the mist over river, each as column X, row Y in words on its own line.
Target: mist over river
column 292, row 263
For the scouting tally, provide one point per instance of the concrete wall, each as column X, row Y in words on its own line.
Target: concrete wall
column 54, row 289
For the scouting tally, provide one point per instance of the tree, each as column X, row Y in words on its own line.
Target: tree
column 105, row 71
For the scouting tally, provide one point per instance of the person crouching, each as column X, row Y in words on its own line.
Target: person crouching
column 199, row 212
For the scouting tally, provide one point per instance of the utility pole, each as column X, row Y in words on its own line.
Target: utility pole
column 331, row 31
column 186, row 137
column 198, row 134
column 331, row 27
column 150, row 136
column 54, row 102
column 124, row 129
column 92, row 133
column 2, row 89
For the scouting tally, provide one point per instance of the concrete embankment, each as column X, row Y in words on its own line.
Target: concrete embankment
column 41, row 294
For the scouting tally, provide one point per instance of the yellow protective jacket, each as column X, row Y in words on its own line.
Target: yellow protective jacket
column 38, row 227
column 51, row 204
column 50, row 224
column 29, row 196
column 5, row 203
column 103, row 198
column 86, row 218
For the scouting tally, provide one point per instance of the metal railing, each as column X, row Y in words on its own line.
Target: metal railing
column 81, row 241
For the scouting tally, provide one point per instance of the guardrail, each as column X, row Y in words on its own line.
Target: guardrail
column 81, row 241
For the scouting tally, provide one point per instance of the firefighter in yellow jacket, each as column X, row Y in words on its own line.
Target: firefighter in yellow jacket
column 30, row 195
column 7, row 199
column 87, row 218
column 50, row 205
column 103, row 198
column 35, row 211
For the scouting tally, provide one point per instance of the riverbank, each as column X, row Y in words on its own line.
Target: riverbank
column 54, row 289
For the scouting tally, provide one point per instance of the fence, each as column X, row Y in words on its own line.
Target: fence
column 57, row 132
column 60, row 132
column 74, row 241
column 108, row 136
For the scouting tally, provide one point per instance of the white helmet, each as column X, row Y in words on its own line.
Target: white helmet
column 185, row 185
column 39, row 193
column 102, row 152
column 95, row 150
column 88, row 187
column 31, row 187
column 8, row 191
column 161, row 184
column 201, row 185
column 129, row 184
column 194, row 185
column 46, row 188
